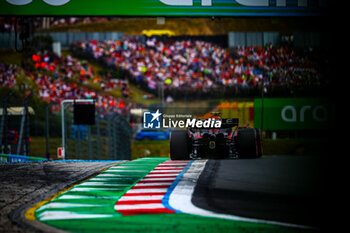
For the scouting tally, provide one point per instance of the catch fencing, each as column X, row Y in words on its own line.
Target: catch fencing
column 298, row 39
column 232, row 39
column 32, row 128
column 8, row 40
column 109, row 139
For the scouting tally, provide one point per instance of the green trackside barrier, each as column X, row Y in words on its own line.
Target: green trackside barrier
column 293, row 113
column 5, row 158
column 160, row 8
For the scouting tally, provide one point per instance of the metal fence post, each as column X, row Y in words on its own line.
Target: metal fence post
column 27, row 132
column 23, row 122
column 109, row 136
column 89, row 142
column 78, row 142
column 47, row 133
column 115, row 135
column 47, row 130
column 98, row 144
column 4, row 126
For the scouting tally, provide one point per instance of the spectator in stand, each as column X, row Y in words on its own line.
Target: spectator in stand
column 198, row 66
column 8, row 74
column 52, row 76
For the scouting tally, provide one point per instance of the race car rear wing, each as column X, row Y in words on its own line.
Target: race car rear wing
column 229, row 122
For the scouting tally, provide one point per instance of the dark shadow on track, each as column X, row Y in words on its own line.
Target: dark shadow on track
column 280, row 188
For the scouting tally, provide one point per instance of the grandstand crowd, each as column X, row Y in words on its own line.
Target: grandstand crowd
column 183, row 67
column 58, row 78
column 198, row 67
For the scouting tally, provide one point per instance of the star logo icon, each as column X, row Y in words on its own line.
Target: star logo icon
column 151, row 120
column 156, row 115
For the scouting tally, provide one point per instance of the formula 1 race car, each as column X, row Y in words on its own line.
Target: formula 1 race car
column 228, row 141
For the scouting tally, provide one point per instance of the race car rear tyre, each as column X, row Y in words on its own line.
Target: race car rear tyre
column 179, row 145
column 247, row 143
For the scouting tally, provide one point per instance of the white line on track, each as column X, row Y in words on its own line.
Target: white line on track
column 58, row 215
column 171, row 179
column 157, row 175
column 108, row 179
column 128, row 169
column 67, row 205
column 112, row 175
column 97, row 189
column 139, row 206
column 166, row 171
column 141, row 198
column 150, row 190
column 173, row 164
column 85, row 197
column 121, row 171
column 153, row 184
column 102, row 184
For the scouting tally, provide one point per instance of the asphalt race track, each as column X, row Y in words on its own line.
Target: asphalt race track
column 279, row 188
column 24, row 184
column 270, row 194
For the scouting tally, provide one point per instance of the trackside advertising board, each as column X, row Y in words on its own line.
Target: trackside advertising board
column 5, row 158
column 293, row 114
column 163, row 7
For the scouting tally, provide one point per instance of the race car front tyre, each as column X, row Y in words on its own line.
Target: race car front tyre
column 179, row 145
column 247, row 143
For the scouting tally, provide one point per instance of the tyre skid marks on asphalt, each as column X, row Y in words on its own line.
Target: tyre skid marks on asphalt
column 147, row 196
